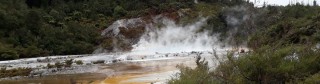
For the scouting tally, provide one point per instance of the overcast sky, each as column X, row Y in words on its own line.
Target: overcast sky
column 283, row 2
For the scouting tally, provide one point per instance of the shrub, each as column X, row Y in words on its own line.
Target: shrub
column 314, row 79
column 68, row 63
column 58, row 64
column 8, row 55
column 98, row 62
column 285, row 64
column 50, row 66
column 199, row 75
column 79, row 62
column 271, row 65
column 14, row 72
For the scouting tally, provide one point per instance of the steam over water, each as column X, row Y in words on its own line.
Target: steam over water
column 159, row 46
column 174, row 38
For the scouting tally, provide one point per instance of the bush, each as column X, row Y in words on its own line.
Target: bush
column 50, row 66
column 286, row 64
column 68, row 63
column 14, row 72
column 269, row 65
column 7, row 53
column 314, row 79
column 199, row 75
column 79, row 62
column 58, row 64
column 98, row 62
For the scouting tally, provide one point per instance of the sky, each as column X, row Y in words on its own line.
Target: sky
column 282, row 2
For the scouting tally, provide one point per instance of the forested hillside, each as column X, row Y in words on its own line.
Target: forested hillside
column 31, row 28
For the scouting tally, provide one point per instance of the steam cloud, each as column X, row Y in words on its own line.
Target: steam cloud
column 175, row 38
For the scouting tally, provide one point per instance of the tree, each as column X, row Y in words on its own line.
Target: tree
column 7, row 52
column 33, row 22
column 118, row 11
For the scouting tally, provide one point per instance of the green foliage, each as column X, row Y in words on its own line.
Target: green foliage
column 286, row 64
column 276, row 65
column 289, row 29
column 58, row 27
column 98, row 62
column 199, row 75
column 68, row 63
column 313, row 79
column 4, row 72
column 58, row 65
column 50, row 66
column 35, row 28
column 283, row 50
column 119, row 12
column 7, row 53
column 79, row 62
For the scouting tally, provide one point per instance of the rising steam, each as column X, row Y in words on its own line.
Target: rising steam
column 174, row 38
